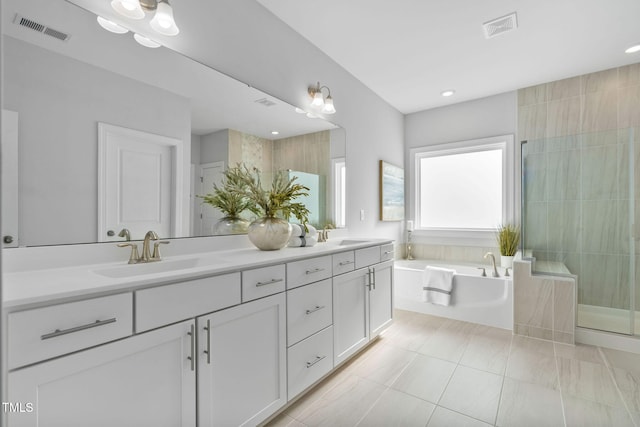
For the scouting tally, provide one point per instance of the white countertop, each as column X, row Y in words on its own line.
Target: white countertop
column 30, row 288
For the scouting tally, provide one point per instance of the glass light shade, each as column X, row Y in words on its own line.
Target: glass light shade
column 633, row 49
column 312, row 116
column 145, row 41
column 328, row 106
column 128, row 8
column 300, row 111
column 163, row 21
column 318, row 101
column 111, row 26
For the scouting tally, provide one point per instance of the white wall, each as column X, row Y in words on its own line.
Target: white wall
column 214, row 147
column 59, row 106
column 481, row 118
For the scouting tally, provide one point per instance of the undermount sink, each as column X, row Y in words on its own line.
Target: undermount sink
column 129, row 270
column 352, row 242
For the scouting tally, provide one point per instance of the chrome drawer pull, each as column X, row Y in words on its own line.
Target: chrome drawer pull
column 316, row 360
column 388, row 252
column 208, row 350
column 345, row 263
column 59, row 332
column 313, row 310
column 315, row 270
column 270, row 282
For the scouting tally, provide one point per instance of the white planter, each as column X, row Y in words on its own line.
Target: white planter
column 506, row 261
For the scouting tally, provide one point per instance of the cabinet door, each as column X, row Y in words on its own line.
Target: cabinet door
column 350, row 313
column 380, row 298
column 144, row 380
column 242, row 363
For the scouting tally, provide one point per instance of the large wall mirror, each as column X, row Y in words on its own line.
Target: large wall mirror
column 97, row 127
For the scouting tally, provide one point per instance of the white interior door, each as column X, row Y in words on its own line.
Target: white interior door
column 10, row 201
column 138, row 185
column 210, row 173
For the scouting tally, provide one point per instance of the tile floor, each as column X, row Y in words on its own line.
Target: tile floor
column 430, row 371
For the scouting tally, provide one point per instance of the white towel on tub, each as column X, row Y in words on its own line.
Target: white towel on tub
column 437, row 285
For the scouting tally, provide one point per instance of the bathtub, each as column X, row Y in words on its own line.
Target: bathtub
column 484, row 300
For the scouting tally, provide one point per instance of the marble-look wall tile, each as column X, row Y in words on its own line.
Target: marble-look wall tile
column 600, row 81
column 563, row 175
column 599, row 174
column 535, row 236
column 629, row 75
column 565, row 231
column 561, row 89
column 564, row 300
column 564, row 143
column 600, row 226
column 599, row 282
column 600, row 111
column 532, row 121
column 596, row 139
column 532, row 95
column 629, row 106
column 532, row 302
column 563, row 117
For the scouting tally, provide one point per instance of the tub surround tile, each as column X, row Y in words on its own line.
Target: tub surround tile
column 564, row 302
column 533, row 304
column 473, row 393
column 521, row 402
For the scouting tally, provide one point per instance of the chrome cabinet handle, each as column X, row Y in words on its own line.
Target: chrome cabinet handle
column 345, row 263
column 192, row 358
column 270, row 282
column 369, row 279
column 208, row 350
column 315, row 270
column 316, row 360
column 316, row 308
column 59, row 332
column 388, row 252
column 373, row 278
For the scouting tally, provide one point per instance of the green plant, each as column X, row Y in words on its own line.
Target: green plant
column 230, row 197
column 277, row 201
column 508, row 236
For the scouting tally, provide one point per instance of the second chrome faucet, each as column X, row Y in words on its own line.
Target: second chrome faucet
column 493, row 263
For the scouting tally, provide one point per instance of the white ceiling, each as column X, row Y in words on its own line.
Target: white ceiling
column 409, row 51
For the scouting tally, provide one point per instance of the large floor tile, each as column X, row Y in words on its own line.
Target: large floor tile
column 449, row 342
column 395, row 408
column 587, row 353
column 411, row 332
column 584, row 413
column 284, row 420
column 532, row 366
column 529, row 405
column 425, row 377
column 589, row 381
column 628, row 383
column 443, row 417
column 384, row 365
column 316, row 393
column 488, row 350
column 473, row 393
column 344, row 405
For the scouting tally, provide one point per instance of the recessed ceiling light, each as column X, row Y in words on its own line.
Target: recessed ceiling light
column 633, row 49
column 448, row 92
column 275, row 132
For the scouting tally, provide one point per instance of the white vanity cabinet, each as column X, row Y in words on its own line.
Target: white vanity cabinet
column 242, row 363
column 144, row 380
column 362, row 306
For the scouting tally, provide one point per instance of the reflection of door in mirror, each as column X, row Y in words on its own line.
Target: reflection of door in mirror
column 136, row 183
column 9, row 179
column 210, row 174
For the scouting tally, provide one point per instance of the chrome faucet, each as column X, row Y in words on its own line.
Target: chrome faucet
column 493, row 263
column 323, row 235
column 146, row 249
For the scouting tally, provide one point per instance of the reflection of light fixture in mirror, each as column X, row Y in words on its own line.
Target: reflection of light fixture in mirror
column 111, row 26
column 319, row 102
column 275, row 132
column 145, row 41
column 633, row 49
column 162, row 22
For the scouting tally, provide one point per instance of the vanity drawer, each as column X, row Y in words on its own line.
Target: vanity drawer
column 262, row 282
column 308, row 361
column 367, row 256
column 46, row 332
column 167, row 304
column 386, row 252
column 308, row 271
column 309, row 309
column 343, row 262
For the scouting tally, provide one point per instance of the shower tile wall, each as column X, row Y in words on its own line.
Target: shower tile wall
column 577, row 184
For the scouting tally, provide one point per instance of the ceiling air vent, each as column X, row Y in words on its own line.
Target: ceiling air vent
column 500, row 25
column 41, row 28
column 266, row 102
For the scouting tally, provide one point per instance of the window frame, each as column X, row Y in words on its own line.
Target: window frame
column 465, row 236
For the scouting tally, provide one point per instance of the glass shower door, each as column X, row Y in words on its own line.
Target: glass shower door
column 579, row 197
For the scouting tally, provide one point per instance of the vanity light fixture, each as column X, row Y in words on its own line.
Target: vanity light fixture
column 448, row 92
column 319, row 102
column 111, row 26
column 633, row 49
column 275, row 132
column 146, row 41
column 162, row 22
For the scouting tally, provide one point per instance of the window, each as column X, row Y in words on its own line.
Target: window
column 463, row 190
